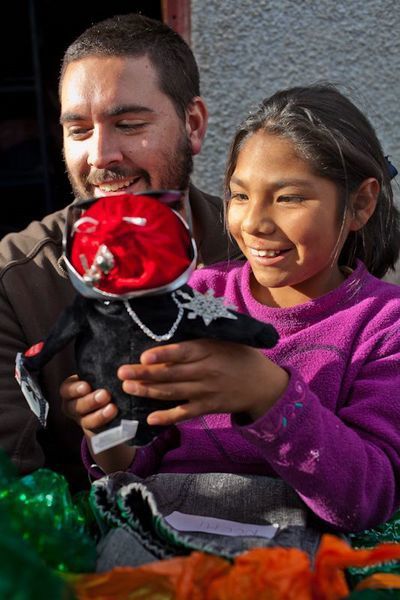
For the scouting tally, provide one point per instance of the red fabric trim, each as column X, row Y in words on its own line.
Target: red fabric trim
column 35, row 349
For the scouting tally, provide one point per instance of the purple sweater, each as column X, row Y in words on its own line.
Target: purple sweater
column 334, row 435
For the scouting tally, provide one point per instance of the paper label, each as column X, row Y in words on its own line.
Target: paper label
column 31, row 390
column 112, row 437
column 184, row 522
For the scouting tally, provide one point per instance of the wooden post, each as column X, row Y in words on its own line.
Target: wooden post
column 177, row 14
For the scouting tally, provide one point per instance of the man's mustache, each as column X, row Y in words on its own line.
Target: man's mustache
column 99, row 176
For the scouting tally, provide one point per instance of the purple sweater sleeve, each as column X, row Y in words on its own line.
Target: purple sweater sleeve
column 147, row 458
column 343, row 465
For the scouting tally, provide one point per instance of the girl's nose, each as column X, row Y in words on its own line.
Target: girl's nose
column 258, row 220
column 103, row 151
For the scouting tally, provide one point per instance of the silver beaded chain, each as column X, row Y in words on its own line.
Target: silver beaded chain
column 157, row 338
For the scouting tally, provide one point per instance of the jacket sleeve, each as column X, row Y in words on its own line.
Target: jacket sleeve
column 345, row 466
column 18, row 424
column 20, row 430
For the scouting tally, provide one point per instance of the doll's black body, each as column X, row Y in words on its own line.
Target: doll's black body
column 106, row 337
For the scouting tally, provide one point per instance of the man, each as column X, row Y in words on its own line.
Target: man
column 132, row 119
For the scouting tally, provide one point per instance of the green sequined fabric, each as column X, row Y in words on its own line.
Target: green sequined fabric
column 43, row 533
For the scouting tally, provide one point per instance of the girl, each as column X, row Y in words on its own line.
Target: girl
column 310, row 204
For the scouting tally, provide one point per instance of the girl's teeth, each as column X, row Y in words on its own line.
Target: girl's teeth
column 267, row 253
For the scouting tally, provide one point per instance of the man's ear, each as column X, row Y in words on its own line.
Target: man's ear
column 363, row 203
column 196, row 123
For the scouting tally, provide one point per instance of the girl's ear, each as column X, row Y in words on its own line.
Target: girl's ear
column 196, row 123
column 363, row 203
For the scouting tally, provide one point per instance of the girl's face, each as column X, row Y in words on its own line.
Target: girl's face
column 287, row 222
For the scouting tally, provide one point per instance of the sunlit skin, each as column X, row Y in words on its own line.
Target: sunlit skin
column 288, row 223
column 121, row 133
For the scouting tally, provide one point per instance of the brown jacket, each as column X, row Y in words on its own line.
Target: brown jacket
column 34, row 289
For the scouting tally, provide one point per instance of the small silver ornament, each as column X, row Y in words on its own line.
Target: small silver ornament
column 206, row 306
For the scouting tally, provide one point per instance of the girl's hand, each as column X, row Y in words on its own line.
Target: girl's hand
column 91, row 410
column 213, row 376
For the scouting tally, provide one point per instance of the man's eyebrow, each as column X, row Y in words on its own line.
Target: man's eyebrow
column 128, row 108
column 115, row 111
column 69, row 117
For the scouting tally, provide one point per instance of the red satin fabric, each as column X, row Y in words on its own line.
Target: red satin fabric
column 146, row 256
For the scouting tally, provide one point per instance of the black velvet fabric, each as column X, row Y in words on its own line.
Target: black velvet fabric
column 107, row 337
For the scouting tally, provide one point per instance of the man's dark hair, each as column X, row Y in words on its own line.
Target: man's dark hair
column 135, row 35
column 340, row 144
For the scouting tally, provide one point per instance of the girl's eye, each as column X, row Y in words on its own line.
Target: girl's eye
column 238, row 196
column 291, row 198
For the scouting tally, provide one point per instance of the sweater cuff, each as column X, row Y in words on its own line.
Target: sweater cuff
column 283, row 415
column 94, row 471
column 146, row 460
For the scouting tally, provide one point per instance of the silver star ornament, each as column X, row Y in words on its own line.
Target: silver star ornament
column 206, row 306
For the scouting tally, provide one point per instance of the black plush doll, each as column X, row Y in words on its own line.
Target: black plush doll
column 129, row 257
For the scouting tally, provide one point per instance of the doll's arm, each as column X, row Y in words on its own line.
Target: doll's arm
column 210, row 317
column 28, row 365
column 65, row 329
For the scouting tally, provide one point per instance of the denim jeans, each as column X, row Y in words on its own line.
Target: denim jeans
column 132, row 513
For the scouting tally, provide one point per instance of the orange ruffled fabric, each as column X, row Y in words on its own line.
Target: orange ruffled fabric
column 265, row 574
column 185, row 578
column 259, row 574
column 334, row 556
column 380, row 581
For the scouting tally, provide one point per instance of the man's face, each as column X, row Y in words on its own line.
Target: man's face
column 121, row 133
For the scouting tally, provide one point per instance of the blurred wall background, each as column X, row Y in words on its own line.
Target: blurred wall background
column 248, row 49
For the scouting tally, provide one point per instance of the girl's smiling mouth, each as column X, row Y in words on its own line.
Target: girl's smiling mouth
column 265, row 253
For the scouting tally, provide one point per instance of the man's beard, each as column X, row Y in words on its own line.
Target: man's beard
column 175, row 175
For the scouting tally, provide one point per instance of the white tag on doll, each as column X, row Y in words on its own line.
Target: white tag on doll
column 112, row 437
column 184, row 522
column 31, row 390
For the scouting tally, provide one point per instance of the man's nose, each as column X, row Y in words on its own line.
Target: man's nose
column 104, row 150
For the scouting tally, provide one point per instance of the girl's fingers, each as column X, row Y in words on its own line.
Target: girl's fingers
column 184, row 352
column 179, row 413
column 91, row 413
column 73, row 387
column 98, row 418
column 163, row 373
column 82, row 405
column 186, row 361
column 166, row 391
column 90, row 410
